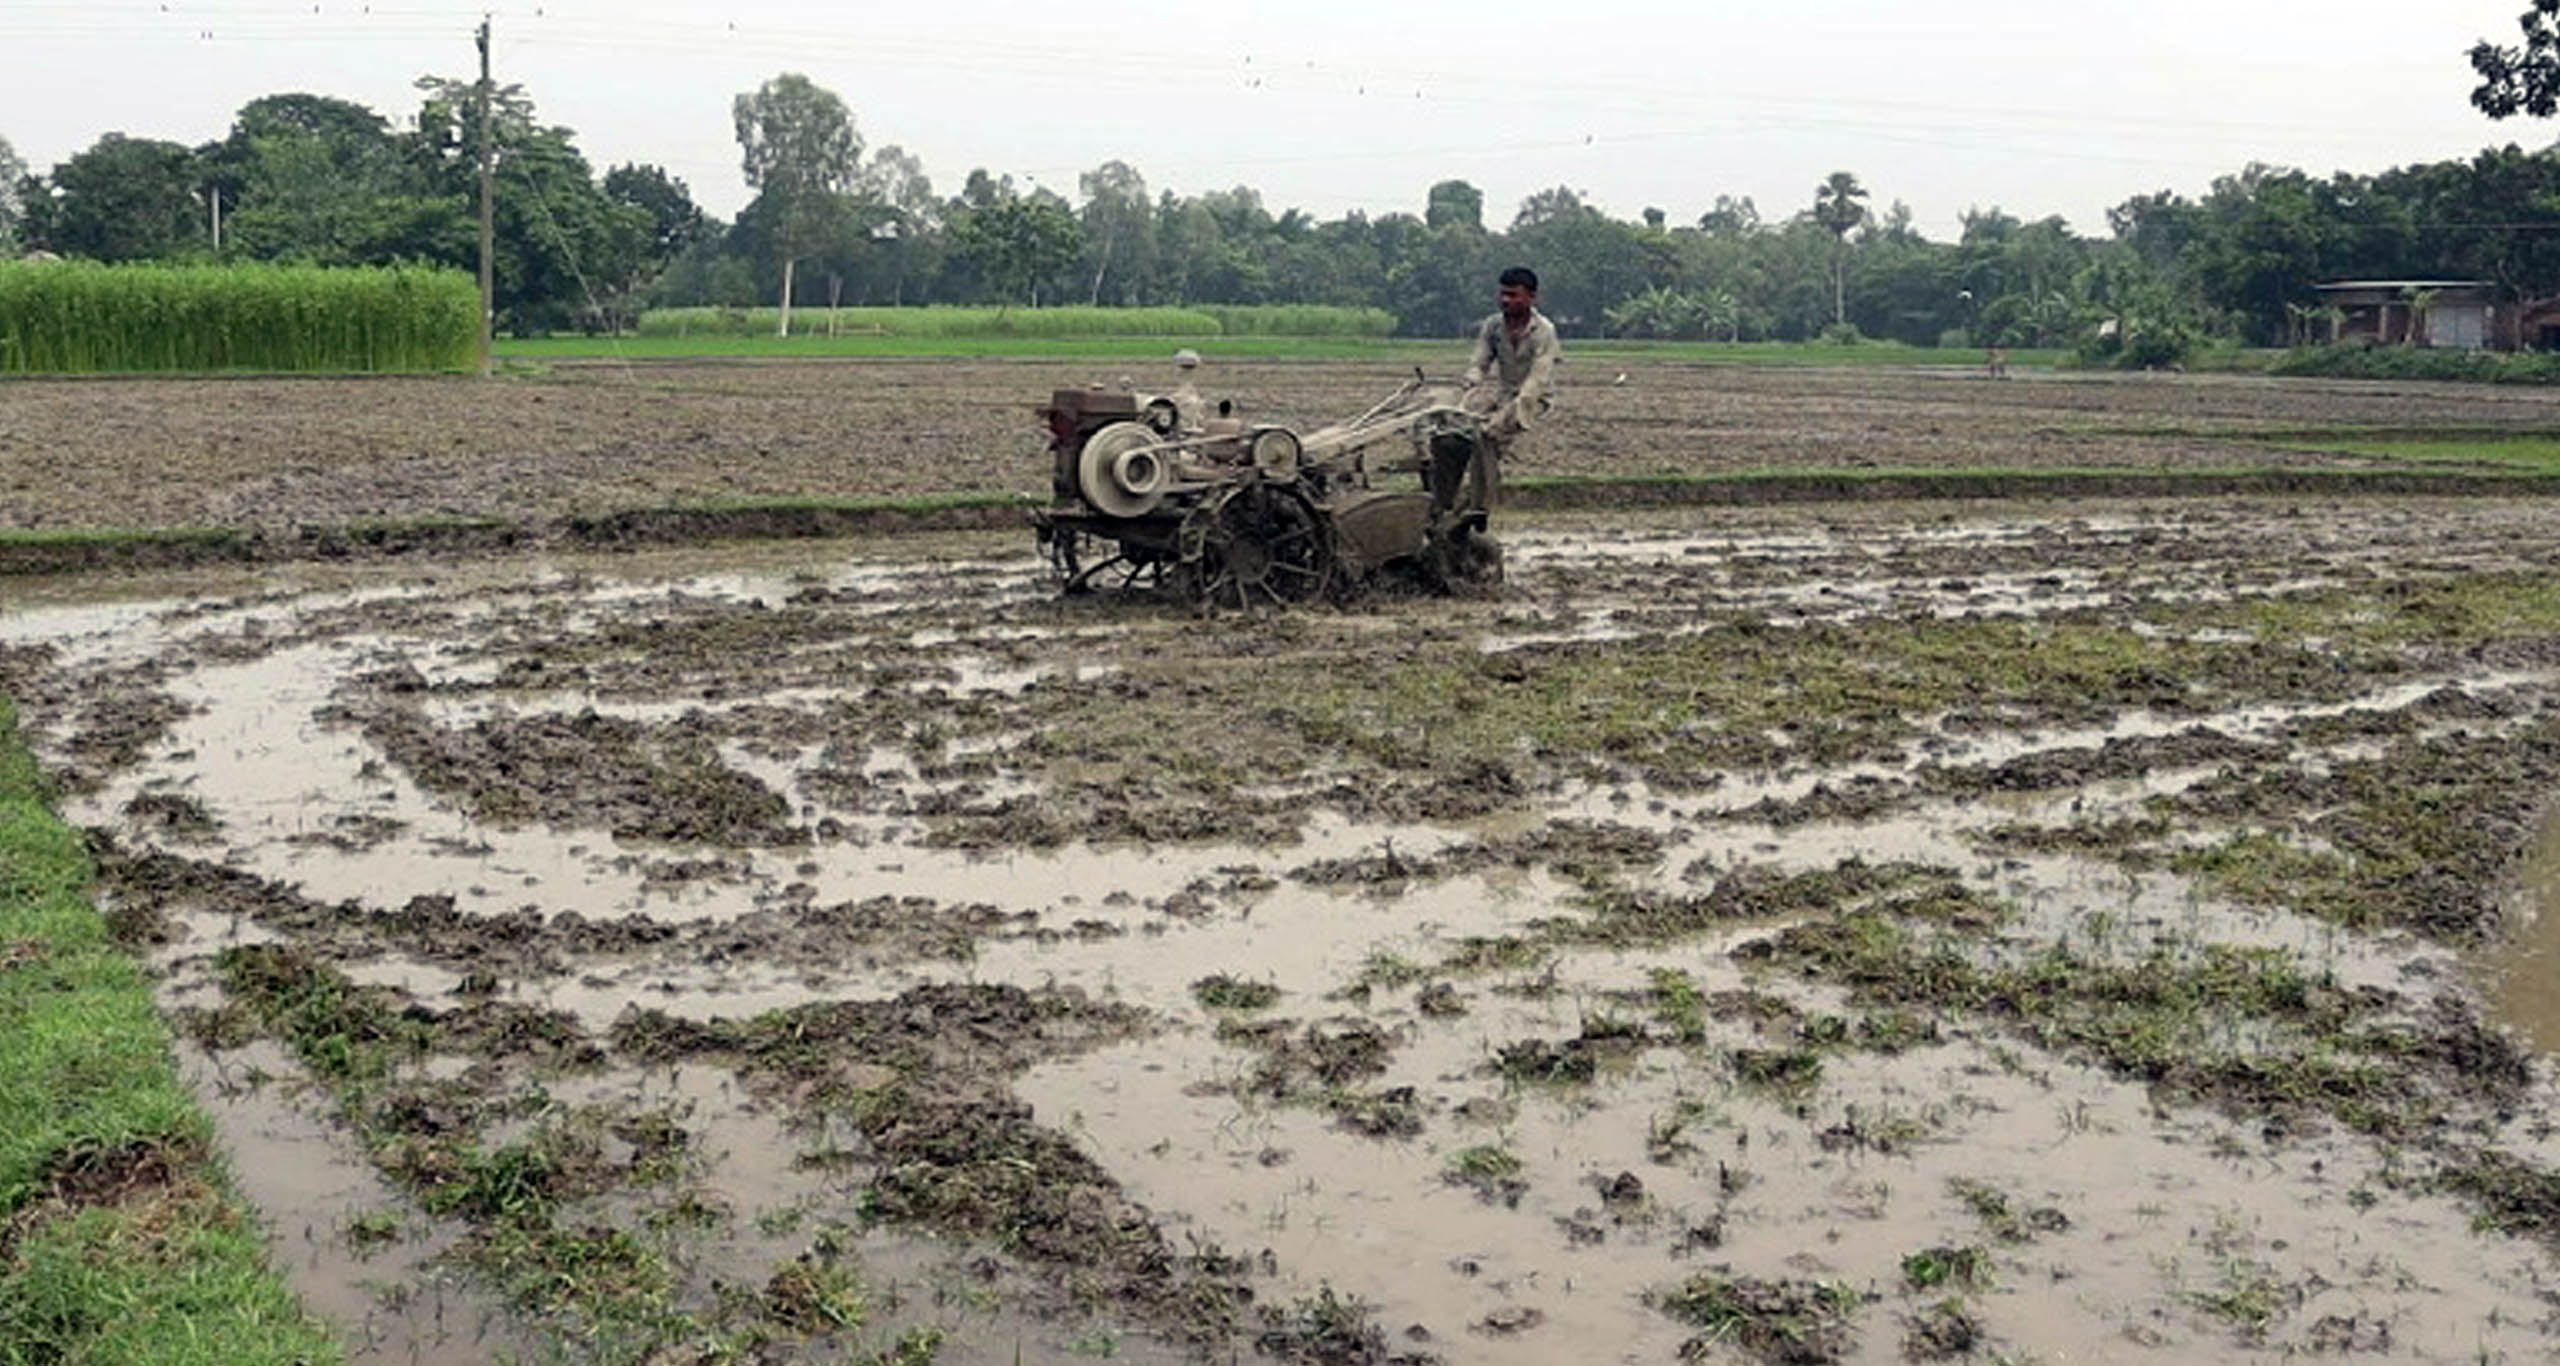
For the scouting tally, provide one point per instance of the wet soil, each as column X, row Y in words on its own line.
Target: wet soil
column 588, row 440
column 2103, row 931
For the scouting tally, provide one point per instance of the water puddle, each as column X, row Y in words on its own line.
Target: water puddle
column 2525, row 972
column 383, row 1286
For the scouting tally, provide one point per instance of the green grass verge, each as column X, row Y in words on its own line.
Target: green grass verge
column 880, row 347
column 2528, row 454
column 119, row 1239
column 1450, row 352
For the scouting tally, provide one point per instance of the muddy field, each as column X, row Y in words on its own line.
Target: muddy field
column 2101, row 932
column 585, row 439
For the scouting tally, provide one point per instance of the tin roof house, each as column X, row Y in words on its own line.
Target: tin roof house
column 2454, row 314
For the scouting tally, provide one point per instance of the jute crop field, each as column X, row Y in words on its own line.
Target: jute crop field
column 68, row 317
column 2094, row 928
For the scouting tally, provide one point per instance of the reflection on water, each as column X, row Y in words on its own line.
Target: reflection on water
column 2525, row 973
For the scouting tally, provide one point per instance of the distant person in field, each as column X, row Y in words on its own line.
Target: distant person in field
column 1997, row 366
column 1510, row 380
column 1191, row 412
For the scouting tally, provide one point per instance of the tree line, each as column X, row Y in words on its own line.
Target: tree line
column 835, row 220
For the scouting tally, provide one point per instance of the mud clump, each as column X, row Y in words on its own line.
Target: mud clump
column 173, row 816
column 1752, row 892
column 587, row 771
column 918, row 1084
column 1782, row 1323
column 2413, row 838
column 1329, row 1329
column 123, row 719
column 1322, row 1056
column 1571, row 847
column 2118, row 758
column 147, row 887
column 22, row 665
column 953, row 1029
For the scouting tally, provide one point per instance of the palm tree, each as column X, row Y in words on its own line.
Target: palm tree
column 1836, row 206
column 2421, row 302
column 1723, row 313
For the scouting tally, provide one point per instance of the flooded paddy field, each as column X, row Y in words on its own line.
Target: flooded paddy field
column 2091, row 932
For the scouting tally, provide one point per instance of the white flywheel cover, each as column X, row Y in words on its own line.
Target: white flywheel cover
column 1099, row 471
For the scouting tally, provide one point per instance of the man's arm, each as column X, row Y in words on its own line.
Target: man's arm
column 1481, row 363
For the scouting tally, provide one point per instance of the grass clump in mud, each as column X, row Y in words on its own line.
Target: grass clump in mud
column 2248, row 1295
column 2515, row 1196
column 1224, row 991
column 573, row 1219
column 587, row 770
column 1948, row 1330
column 2251, row 1028
column 1543, row 1062
column 1749, row 892
column 2417, row 837
column 1785, row 1070
column 1330, row 1329
column 823, row 1293
column 1320, row 1066
column 1934, row 1268
column 1786, row 1322
column 1680, row 711
column 1493, row 1173
column 2003, row 1216
column 913, row 1091
column 343, row 1032
column 120, row 1239
column 1311, row 1061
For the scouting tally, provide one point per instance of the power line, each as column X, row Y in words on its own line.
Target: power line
column 1118, row 65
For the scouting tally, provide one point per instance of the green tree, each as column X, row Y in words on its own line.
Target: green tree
column 1454, row 203
column 675, row 221
column 801, row 156
column 310, row 178
column 1018, row 241
column 1439, row 280
column 902, row 216
column 1731, row 217
column 125, row 199
column 564, row 249
column 1585, row 259
column 2523, row 79
column 1119, row 232
column 1839, row 205
column 13, row 212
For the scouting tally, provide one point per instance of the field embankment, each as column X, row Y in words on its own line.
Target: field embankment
column 120, row 1240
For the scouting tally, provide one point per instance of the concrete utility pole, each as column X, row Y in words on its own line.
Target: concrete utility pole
column 488, row 209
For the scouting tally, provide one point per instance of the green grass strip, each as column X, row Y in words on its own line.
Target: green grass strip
column 1449, row 355
column 120, row 1241
column 2530, row 454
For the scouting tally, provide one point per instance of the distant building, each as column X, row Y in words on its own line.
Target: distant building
column 2454, row 314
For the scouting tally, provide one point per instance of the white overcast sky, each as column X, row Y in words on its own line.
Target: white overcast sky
column 2036, row 106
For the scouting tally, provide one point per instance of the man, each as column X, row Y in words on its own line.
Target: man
column 1510, row 383
column 1191, row 411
